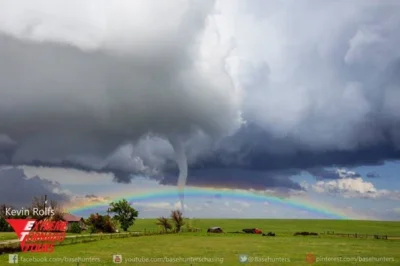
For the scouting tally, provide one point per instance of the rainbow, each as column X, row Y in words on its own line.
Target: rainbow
column 299, row 203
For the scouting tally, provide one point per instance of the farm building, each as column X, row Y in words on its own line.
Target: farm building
column 72, row 219
column 215, row 230
column 252, row 231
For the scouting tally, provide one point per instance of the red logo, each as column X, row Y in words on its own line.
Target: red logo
column 38, row 236
column 310, row 258
column 117, row 258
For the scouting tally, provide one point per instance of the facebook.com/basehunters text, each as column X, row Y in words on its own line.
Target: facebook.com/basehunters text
column 174, row 260
column 26, row 259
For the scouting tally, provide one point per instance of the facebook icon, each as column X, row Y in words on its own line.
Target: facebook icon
column 12, row 258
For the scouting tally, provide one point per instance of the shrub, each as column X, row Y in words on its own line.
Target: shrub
column 10, row 249
column 269, row 234
column 164, row 223
column 101, row 223
column 305, row 234
column 177, row 219
column 4, row 226
column 75, row 228
column 92, row 229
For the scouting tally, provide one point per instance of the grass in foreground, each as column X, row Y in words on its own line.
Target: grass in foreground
column 7, row 236
column 229, row 246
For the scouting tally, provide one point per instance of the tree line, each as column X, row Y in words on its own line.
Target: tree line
column 120, row 215
column 123, row 216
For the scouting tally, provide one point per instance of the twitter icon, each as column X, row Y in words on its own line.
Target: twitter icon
column 243, row 258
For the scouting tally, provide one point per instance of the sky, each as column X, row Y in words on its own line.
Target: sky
column 298, row 101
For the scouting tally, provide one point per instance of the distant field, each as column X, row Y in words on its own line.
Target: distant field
column 230, row 246
column 282, row 226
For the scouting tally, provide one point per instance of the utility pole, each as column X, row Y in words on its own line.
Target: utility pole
column 45, row 201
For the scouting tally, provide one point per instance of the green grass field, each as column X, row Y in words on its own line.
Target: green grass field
column 7, row 236
column 282, row 226
column 229, row 246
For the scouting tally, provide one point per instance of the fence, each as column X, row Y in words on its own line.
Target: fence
column 357, row 235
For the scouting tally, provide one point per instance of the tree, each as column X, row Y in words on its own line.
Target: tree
column 125, row 214
column 162, row 221
column 58, row 215
column 42, row 205
column 100, row 223
column 3, row 208
column 75, row 228
column 177, row 218
column 4, row 226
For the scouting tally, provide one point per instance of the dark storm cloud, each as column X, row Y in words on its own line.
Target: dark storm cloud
column 246, row 160
column 313, row 95
column 17, row 190
column 7, row 147
column 321, row 174
column 254, row 149
column 78, row 108
column 119, row 175
column 237, row 178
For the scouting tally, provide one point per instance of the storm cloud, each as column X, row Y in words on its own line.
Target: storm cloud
column 237, row 178
column 267, row 88
column 18, row 190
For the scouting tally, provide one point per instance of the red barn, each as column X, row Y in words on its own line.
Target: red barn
column 71, row 219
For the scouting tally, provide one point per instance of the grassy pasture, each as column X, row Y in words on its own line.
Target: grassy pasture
column 7, row 236
column 229, row 246
column 287, row 227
